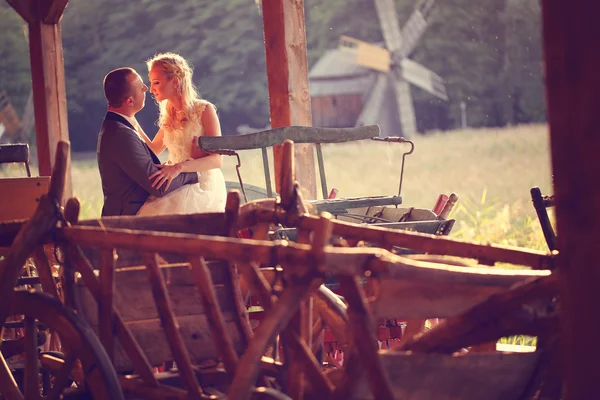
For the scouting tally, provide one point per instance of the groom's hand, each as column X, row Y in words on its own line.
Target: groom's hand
column 164, row 175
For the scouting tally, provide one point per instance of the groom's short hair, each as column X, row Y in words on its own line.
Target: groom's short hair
column 117, row 87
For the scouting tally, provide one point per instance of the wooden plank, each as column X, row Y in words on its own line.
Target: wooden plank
column 106, row 303
column 171, row 328
column 572, row 86
column 214, row 313
column 297, row 134
column 287, row 76
column 491, row 376
column 200, row 224
column 49, row 98
column 409, row 299
column 134, row 300
column 21, row 196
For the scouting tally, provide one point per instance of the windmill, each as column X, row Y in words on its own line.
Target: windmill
column 394, row 70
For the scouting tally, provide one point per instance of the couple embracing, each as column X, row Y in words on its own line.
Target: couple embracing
column 134, row 182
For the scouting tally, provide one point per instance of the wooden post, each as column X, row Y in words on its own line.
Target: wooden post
column 572, row 81
column 47, row 78
column 287, row 74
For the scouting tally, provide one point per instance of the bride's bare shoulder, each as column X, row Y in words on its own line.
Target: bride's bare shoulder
column 201, row 105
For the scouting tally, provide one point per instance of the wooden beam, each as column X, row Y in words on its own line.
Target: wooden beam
column 23, row 8
column 573, row 84
column 53, row 11
column 49, row 94
column 287, row 74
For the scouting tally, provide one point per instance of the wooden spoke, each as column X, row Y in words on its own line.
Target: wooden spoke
column 83, row 347
column 32, row 381
column 44, row 270
column 61, row 378
column 8, row 383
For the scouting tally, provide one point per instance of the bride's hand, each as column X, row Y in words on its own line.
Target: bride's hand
column 165, row 174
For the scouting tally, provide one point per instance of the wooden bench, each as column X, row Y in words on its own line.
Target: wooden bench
column 230, row 145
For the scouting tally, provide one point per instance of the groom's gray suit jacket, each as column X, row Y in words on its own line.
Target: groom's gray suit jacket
column 125, row 163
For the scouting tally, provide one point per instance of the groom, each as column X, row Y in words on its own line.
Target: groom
column 124, row 159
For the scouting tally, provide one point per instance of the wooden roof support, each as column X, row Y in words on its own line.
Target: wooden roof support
column 287, row 74
column 47, row 76
column 571, row 37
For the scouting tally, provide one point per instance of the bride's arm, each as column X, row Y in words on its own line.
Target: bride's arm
column 203, row 161
column 157, row 145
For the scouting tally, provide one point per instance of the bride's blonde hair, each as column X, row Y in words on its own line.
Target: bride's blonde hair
column 173, row 65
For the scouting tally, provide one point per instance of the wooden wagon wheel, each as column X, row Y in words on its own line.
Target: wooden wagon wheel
column 84, row 360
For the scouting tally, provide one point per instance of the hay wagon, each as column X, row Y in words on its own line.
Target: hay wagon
column 155, row 307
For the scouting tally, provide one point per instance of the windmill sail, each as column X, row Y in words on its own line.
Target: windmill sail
column 388, row 19
column 415, row 27
column 424, row 78
column 405, row 106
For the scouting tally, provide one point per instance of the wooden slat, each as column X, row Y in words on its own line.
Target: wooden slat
column 167, row 317
column 44, row 270
column 21, row 196
column 287, row 76
column 206, row 223
column 350, row 261
column 277, row 318
column 32, row 381
column 485, row 322
column 491, row 376
column 261, row 211
column 297, row 134
column 215, row 316
column 106, row 303
column 411, row 299
column 364, row 338
column 133, row 350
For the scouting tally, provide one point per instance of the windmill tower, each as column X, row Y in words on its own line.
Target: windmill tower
column 394, row 70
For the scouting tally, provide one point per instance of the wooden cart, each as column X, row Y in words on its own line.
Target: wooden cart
column 143, row 293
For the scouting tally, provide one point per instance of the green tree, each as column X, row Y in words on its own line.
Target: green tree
column 15, row 70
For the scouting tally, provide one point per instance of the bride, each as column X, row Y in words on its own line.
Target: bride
column 183, row 116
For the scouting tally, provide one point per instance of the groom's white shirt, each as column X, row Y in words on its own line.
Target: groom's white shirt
column 132, row 121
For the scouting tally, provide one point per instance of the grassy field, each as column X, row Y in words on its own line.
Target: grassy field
column 491, row 170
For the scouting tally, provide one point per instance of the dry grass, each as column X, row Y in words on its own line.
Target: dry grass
column 491, row 170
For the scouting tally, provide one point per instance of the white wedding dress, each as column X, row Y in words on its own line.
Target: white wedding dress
column 208, row 195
